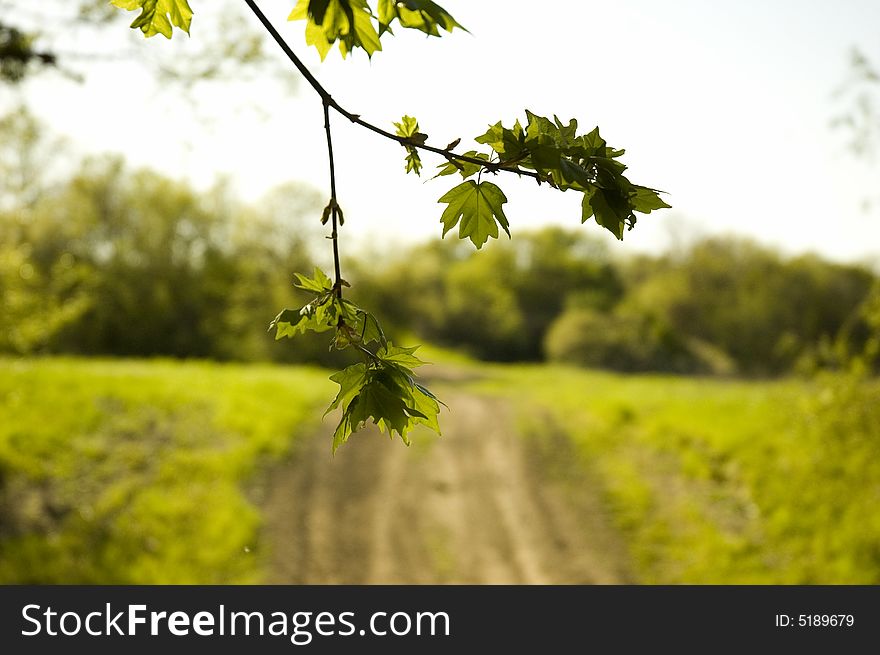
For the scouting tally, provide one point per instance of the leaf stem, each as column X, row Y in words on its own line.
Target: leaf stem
column 355, row 118
column 367, row 352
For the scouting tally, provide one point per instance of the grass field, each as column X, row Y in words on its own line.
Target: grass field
column 716, row 481
column 152, row 472
column 138, row 472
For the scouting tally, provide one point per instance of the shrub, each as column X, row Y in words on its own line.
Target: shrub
column 623, row 342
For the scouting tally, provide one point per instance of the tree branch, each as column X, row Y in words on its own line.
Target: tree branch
column 334, row 206
column 355, row 118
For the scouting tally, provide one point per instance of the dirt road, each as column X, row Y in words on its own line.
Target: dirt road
column 475, row 506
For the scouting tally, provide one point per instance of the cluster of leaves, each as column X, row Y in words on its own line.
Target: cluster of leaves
column 557, row 155
column 382, row 388
column 348, row 21
column 351, row 22
column 158, row 16
column 422, row 15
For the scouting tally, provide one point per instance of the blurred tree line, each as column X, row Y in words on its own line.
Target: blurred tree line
column 112, row 261
column 120, row 262
column 725, row 305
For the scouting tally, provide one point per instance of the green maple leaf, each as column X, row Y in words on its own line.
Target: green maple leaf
column 610, row 207
column 158, row 16
column 319, row 282
column 387, row 409
column 344, row 430
column 407, row 126
column 595, row 204
column 646, row 200
column 350, row 380
column 509, row 144
column 327, row 21
column 368, row 328
column 426, row 403
column 319, row 315
column 285, row 323
column 422, row 15
column 397, row 355
column 477, row 209
column 422, row 405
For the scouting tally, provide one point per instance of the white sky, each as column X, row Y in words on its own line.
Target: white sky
column 726, row 106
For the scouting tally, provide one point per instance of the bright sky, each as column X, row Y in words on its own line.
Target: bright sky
column 726, row 106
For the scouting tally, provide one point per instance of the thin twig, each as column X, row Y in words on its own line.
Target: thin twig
column 371, row 355
column 355, row 118
column 337, row 286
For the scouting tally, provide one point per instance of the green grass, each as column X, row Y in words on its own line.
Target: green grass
column 148, row 471
column 138, row 471
column 718, row 481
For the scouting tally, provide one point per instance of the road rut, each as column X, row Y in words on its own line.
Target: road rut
column 477, row 505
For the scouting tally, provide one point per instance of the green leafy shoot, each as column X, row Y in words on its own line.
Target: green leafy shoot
column 319, row 282
column 382, row 388
column 348, row 21
column 477, row 209
column 408, row 127
column 422, row 15
column 325, row 215
column 321, row 314
column 567, row 160
column 158, row 16
column 560, row 157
